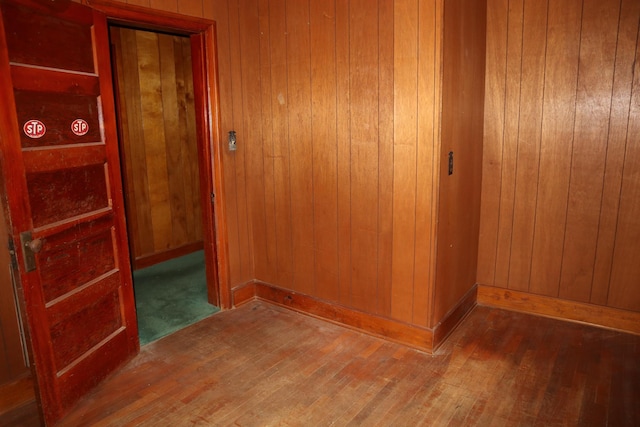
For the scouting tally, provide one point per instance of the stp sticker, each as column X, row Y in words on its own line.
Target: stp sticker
column 34, row 129
column 80, row 127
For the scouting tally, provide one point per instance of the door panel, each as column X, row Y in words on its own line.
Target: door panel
column 62, row 183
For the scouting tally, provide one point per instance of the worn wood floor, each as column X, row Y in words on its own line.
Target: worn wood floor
column 262, row 365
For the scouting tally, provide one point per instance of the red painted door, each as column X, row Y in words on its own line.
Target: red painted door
column 62, row 192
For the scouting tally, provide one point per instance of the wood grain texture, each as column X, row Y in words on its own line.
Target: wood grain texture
column 570, row 234
column 239, row 270
column 158, row 140
column 251, row 134
column 623, row 289
column 495, row 81
column 363, row 87
column 528, row 149
column 513, row 81
column 76, row 184
column 280, row 127
column 343, row 139
column 626, row 51
column 607, row 317
column 15, row 393
column 404, row 157
column 325, row 149
column 385, row 156
column 593, row 109
column 401, row 332
column 561, row 75
column 334, row 188
column 280, row 367
column 300, row 145
column 244, row 260
column 463, row 65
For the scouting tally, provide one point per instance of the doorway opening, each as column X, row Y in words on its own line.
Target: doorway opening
column 155, row 109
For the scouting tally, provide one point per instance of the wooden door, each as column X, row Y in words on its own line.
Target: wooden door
column 62, row 190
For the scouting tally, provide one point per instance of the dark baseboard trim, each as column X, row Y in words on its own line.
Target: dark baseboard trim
column 453, row 318
column 156, row 258
column 596, row 315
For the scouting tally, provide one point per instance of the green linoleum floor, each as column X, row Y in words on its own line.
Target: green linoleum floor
column 170, row 296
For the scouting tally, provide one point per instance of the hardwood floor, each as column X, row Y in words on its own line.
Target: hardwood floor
column 263, row 365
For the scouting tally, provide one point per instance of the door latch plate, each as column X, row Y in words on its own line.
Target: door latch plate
column 29, row 256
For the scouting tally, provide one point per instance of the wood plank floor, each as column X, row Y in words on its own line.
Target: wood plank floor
column 262, row 365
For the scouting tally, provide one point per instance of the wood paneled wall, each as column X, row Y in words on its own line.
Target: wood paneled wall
column 158, row 139
column 343, row 145
column 333, row 190
column 561, row 176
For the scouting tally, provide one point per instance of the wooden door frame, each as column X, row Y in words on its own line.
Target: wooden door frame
column 202, row 33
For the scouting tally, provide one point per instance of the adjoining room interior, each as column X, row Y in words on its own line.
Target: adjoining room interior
column 153, row 85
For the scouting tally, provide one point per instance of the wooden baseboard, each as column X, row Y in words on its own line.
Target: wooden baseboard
column 392, row 330
column 596, row 315
column 243, row 294
column 149, row 260
column 16, row 393
column 453, row 318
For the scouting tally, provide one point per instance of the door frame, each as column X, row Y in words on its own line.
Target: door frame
column 202, row 33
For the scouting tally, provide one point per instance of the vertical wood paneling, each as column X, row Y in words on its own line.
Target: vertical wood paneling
column 510, row 133
column 251, row 134
column 623, row 291
column 337, row 107
column 270, row 218
column 364, row 152
column 495, row 81
column 280, row 127
column 171, row 119
column 343, row 128
column 300, row 145
column 191, row 7
column 575, row 229
column 324, row 138
column 218, row 11
column 158, row 140
column 154, row 138
column 190, row 155
column 427, row 152
column 561, row 75
column 243, row 267
column 593, row 108
column 529, row 130
column 166, row 5
column 463, row 62
column 626, row 49
column 385, row 156
column 131, row 112
column 404, row 157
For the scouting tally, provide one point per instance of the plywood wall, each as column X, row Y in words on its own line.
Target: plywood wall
column 158, row 140
column 561, row 176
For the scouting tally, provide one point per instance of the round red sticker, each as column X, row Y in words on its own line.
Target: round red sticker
column 80, row 127
column 34, row 129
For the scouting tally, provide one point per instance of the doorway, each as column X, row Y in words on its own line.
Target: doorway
column 63, row 195
column 155, row 109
